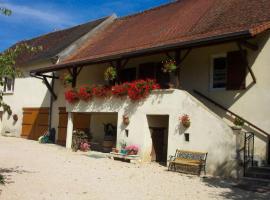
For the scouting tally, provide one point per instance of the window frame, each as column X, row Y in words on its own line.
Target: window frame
column 211, row 85
column 5, row 91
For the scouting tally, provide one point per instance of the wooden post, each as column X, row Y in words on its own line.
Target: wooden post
column 74, row 77
column 69, row 130
column 178, row 69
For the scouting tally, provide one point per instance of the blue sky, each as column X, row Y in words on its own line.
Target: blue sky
column 32, row 18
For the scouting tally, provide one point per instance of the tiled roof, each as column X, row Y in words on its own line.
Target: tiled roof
column 55, row 42
column 180, row 21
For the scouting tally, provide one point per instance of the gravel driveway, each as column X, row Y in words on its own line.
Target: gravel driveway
column 36, row 171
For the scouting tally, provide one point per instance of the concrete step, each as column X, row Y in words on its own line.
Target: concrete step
column 265, row 169
column 258, row 172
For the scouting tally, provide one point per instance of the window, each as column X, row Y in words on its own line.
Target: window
column 219, row 72
column 128, row 75
column 229, row 71
column 9, row 85
column 154, row 71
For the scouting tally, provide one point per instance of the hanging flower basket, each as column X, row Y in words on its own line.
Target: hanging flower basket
column 67, row 79
column 185, row 121
column 169, row 66
column 110, row 74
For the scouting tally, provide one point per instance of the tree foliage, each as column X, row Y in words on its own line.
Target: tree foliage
column 8, row 63
column 5, row 11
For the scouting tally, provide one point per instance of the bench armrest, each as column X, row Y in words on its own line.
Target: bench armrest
column 171, row 158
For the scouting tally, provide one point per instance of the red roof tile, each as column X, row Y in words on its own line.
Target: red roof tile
column 181, row 21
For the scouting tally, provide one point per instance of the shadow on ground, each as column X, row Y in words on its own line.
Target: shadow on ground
column 241, row 190
column 6, row 173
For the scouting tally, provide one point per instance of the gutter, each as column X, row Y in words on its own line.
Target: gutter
column 155, row 50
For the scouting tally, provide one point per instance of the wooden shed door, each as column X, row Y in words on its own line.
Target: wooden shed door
column 81, row 121
column 35, row 122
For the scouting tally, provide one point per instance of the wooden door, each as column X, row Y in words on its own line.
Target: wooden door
column 81, row 121
column 35, row 122
column 62, row 126
column 158, row 144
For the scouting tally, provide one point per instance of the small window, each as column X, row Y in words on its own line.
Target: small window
column 9, row 85
column 219, row 72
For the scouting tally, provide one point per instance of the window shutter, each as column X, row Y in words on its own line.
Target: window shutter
column 236, row 74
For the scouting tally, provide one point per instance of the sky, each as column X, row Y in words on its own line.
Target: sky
column 31, row 18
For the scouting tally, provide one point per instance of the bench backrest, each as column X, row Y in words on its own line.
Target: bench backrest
column 191, row 155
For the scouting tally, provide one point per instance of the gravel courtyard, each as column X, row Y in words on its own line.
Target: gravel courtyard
column 35, row 171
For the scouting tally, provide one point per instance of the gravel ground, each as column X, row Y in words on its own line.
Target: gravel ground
column 36, row 171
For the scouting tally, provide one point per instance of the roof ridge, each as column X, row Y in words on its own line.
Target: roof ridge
column 58, row 31
column 149, row 10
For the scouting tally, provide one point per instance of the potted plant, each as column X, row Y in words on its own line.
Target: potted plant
column 123, row 150
column 238, row 123
column 110, row 75
column 185, row 120
column 132, row 149
column 126, row 120
column 80, row 141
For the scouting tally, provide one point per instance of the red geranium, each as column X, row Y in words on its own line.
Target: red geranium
column 120, row 90
column 85, row 93
column 71, row 96
column 140, row 89
column 100, row 91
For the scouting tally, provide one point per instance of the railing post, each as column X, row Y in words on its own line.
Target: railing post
column 245, row 141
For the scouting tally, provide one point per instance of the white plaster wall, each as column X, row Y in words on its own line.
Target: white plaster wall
column 251, row 103
column 28, row 92
column 208, row 132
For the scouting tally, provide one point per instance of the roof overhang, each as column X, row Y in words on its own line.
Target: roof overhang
column 149, row 51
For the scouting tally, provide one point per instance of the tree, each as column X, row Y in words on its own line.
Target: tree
column 8, row 63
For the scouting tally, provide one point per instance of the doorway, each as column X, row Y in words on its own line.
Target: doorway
column 158, row 126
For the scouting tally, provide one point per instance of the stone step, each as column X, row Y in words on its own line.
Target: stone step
column 260, row 175
column 264, row 169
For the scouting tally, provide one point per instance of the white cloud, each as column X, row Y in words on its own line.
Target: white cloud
column 52, row 17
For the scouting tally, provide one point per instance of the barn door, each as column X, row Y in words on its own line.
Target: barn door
column 81, row 121
column 35, row 122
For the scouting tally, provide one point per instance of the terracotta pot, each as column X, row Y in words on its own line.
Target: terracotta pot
column 126, row 120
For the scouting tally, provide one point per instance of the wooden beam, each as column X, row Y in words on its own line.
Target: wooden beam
column 168, row 55
column 185, row 56
column 49, row 87
column 249, row 45
column 125, row 63
column 245, row 59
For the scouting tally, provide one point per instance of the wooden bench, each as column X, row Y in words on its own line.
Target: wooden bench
column 188, row 162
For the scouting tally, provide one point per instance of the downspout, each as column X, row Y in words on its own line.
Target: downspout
column 51, row 104
column 54, row 60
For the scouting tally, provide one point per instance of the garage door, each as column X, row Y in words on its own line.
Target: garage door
column 81, row 121
column 35, row 122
